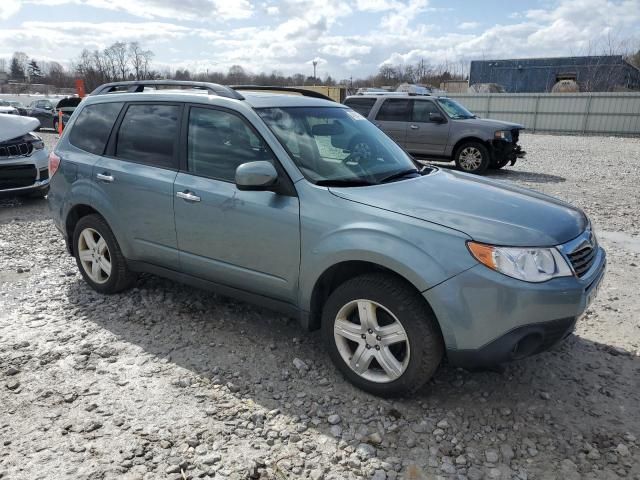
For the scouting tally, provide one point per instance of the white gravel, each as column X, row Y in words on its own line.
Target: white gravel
column 165, row 381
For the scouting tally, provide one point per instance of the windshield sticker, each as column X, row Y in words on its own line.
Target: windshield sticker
column 355, row 115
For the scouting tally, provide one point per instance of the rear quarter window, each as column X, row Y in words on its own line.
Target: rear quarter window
column 361, row 105
column 91, row 129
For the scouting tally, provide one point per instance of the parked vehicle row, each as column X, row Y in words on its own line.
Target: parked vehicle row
column 304, row 206
column 47, row 113
column 439, row 128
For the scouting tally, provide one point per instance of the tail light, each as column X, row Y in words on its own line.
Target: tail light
column 54, row 163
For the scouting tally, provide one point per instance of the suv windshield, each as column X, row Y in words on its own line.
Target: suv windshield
column 337, row 146
column 454, row 109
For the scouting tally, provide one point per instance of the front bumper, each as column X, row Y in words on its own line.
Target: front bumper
column 488, row 318
column 504, row 151
column 23, row 175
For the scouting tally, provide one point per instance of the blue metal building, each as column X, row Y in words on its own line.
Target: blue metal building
column 594, row 73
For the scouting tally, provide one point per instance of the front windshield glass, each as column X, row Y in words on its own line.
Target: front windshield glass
column 333, row 145
column 454, row 109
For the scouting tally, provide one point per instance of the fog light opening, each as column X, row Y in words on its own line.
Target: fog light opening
column 526, row 346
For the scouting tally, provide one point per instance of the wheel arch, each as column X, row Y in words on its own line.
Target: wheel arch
column 72, row 218
column 335, row 275
column 469, row 139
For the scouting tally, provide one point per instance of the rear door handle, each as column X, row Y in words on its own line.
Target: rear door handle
column 188, row 196
column 104, row 177
column 414, row 127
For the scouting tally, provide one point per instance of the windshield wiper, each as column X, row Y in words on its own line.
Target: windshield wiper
column 344, row 182
column 399, row 174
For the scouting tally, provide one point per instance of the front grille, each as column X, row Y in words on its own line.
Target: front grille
column 17, row 147
column 582, row 258
column 17, row 176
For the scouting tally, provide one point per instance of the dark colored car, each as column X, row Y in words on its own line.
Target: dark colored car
column 45, row 111
column 22, row 110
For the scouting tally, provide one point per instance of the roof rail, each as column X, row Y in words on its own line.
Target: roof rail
column 139, row 86
column 302, row 91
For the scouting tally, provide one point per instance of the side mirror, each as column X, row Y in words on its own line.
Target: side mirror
column 256, row 176
column 436, row 118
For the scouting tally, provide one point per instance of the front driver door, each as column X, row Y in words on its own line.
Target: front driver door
column 248, row 240
column 424, row 136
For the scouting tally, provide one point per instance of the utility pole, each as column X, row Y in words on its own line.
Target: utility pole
column 315, row 63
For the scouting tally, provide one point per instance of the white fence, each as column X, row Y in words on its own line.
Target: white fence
column 578, row 113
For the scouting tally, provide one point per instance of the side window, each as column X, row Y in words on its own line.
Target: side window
column 422, row 109
column 148, row 134
column 395, row 110
column 218, row 142
column 91, row 129
column 361, row 105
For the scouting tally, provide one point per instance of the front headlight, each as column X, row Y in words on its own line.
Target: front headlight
column 503, row 135
column 528, row 264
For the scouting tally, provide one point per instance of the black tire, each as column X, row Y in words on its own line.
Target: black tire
column 120, row 277
column 481, row 166
column 425, row 341
column 498, row 164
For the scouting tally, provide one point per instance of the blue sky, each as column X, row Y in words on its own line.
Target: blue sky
column 347, row 38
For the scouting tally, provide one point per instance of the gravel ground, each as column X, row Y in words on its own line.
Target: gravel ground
column 165, row 381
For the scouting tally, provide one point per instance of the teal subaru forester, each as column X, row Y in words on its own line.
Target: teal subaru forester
column 302, row 205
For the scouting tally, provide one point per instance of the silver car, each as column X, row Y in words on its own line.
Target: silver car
column 23, row 158
column 439, row 128
column 255, row 195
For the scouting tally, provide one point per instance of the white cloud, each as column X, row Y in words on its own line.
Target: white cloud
column 377, row 5
column 345, row 50
column 468, row 25
column 175, row 10
column 8, row 8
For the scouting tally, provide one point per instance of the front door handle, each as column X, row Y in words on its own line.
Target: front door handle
column 104, row 177
column 414, row 127
column 188, row 196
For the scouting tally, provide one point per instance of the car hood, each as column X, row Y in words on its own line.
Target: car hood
column 486, row 210
column 487, row 122
column 12, row 126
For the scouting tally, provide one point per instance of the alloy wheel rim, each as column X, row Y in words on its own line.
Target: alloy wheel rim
column 470, row 158
column 371, row 341
column 94, row 255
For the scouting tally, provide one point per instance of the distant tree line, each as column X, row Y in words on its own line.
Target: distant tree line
column 130, row 61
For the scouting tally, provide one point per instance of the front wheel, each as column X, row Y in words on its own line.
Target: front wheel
column 382, row 335
column 99, row 257
column 472, row 157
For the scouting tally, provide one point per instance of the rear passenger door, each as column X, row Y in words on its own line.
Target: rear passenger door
column 424, row 136
column 134, row 181
column 393, row 118
column 248, row 240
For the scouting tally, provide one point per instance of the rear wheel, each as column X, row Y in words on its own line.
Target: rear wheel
column 381, row 335
column 99, row 257
column 472, row 157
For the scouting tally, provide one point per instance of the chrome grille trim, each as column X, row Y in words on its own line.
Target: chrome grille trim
column 582, row 252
